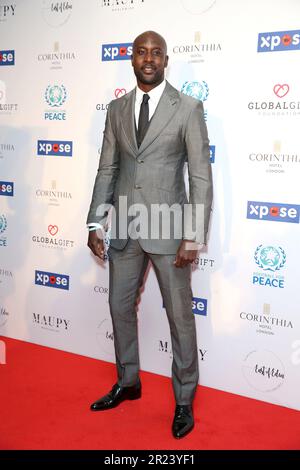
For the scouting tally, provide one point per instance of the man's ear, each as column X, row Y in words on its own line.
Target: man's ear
column 166, row 61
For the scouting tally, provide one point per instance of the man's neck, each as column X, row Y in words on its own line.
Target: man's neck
column 145, row 87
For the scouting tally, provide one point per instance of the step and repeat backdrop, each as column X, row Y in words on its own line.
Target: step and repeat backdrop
column 61, row 63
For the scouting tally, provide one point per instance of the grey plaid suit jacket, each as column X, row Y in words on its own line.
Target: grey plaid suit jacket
column 153, row 174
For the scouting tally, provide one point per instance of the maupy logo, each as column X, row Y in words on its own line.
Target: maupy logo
column 273, row 211
column 53, row 229
column 119, row 92
column 6, row 188
column 60, row 148
column 281, row 90
column 46, row 279
column 279, row 41
column 121, row 51
column 7, row 58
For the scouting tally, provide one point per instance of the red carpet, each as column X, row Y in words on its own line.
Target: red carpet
column 45, row 396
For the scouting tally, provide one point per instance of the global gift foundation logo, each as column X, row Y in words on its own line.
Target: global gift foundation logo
column 52, row 241
column 279, row 41
column 113, row 52
column 118, row 93
column 270, row 259
column 55, row 96
column 48, row 279
column 55, row 148
column 281, row 90
column 7, row 107
column 273, row 211
column 284, row 106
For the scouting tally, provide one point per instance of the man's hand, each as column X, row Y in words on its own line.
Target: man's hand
column 96, row 244
column 185, row 255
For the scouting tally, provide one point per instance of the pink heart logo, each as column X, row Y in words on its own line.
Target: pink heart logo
column 52, row 229
column 119, row 92
column 281, row 90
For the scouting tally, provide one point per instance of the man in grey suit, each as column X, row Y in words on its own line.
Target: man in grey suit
column 149, row 135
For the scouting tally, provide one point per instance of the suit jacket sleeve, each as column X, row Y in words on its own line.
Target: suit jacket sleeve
column 196, row 220
column 107, row 175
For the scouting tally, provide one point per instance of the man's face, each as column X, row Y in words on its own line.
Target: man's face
column 149, row 60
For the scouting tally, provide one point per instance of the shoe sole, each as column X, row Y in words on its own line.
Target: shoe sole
column 135, row 396
column 185, row 434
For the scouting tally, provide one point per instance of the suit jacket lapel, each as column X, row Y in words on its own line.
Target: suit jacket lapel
column 128, row 120
column 164, row 112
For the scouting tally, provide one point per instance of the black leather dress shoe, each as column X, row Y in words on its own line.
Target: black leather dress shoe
column 116, row 396
column 183, row 421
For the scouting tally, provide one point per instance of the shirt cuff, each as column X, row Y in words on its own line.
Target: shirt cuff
column 95, row 226
column 191, row 245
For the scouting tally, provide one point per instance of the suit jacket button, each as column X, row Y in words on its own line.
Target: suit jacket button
column 137, row 186
column 140, row 161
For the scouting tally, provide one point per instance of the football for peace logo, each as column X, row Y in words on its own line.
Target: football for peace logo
column 55, row 95
column 198, row 90
column 270, row 259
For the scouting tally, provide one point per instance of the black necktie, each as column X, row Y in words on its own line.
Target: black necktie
column 143, row 119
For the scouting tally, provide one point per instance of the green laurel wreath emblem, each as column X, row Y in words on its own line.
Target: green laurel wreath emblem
column 258, row 259
column 55, row 95
column 3, row 223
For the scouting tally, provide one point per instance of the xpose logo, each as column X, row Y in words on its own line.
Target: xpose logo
column 212, row 152
column 60, row 281
column 116, row 51
column 279, row 41
column 6, row 188
column 199, row 306
column 58, row 148
column 273, row 211
column 7, row 57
